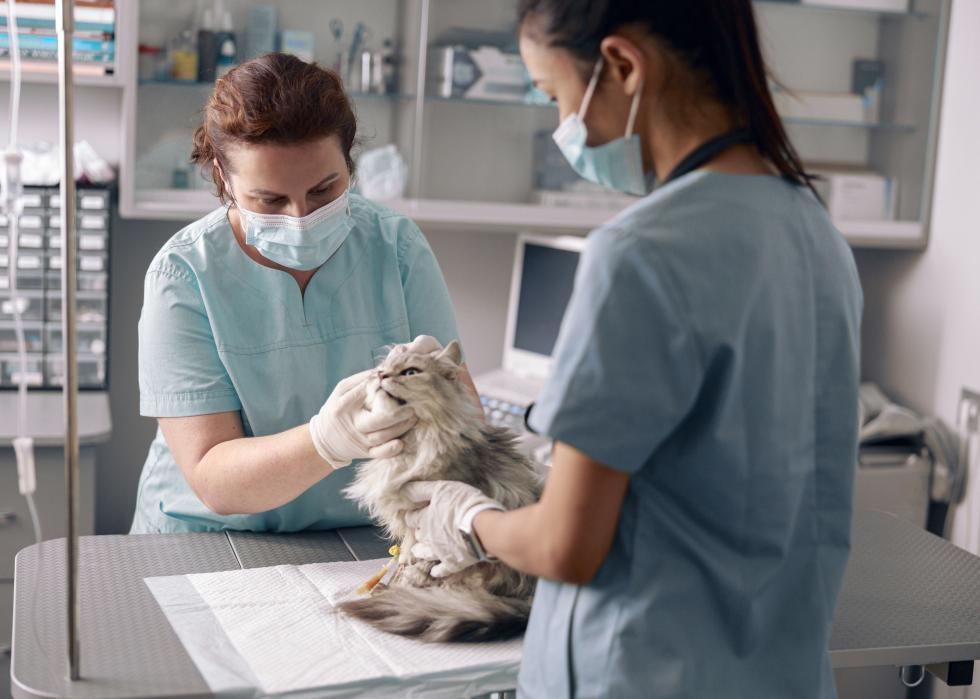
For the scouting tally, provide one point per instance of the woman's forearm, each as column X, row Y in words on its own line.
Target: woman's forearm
column 256, row 474
column 522, row 541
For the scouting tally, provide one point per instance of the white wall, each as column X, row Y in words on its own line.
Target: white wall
column 922, row 329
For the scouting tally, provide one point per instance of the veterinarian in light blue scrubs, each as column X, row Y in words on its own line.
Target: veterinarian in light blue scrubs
column 253, row 314
column 693, row 533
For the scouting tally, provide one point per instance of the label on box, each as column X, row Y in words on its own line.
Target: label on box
column 91, row 242
column 88, row 263
column 32, row 240
column 28, row 262
column 31, row 201
column 91, row 202
column 31, row 221
column 92, row 222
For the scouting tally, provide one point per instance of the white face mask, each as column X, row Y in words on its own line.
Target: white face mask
column 617, row 164
column 302, row 243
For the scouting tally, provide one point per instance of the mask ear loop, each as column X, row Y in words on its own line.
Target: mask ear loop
column 634, row 108
column 590, row 89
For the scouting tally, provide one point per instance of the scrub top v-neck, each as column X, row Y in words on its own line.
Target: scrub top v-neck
column 220, row 332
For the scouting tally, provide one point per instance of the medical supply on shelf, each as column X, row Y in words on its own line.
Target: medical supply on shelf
column 389, row 67
column 857, row 195
column 358, row 41
column 183, row 57
column 207, row 48
column 260, row 31
column 364, row 84
column 867, row 80
column 486, row 72
column 38, row 279
column 298, row 43
column 382, row 173
column 149, row 57
column 227, row 47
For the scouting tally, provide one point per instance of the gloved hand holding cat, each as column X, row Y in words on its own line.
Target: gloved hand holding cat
column 440, row 591
column 344, row 430
column 446, row 508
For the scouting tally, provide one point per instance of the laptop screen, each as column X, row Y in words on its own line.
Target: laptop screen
column 547, row 278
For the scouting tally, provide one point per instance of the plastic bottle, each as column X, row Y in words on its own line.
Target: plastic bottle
column 228, row 49
column 207, row 48
column 183, row 57
column 389, row 67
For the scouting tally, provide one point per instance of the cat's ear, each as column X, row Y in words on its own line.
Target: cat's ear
column 452, row 353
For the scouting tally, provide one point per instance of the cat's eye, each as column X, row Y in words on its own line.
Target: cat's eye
column 411, row 371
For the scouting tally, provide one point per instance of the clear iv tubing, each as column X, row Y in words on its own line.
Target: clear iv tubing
column 12, row 201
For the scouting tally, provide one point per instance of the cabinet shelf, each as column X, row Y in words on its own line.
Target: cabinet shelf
column 46, row 73
column 191, row 85
column 830, row 7
column 500, row 217
column 357, row 96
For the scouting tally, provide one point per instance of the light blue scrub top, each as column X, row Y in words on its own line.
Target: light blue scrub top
column 220, row 332
column 711, row 351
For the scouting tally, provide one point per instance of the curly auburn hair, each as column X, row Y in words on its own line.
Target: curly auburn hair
column 277, row 99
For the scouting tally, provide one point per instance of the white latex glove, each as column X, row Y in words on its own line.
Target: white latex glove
column 445, row 507
column 344, row 430
column 423, row 344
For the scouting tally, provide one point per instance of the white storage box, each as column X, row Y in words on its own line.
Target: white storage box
column 858, row 196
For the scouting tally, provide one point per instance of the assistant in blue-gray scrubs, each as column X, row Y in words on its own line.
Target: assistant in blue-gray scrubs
column 694, row 529
column 253, row 315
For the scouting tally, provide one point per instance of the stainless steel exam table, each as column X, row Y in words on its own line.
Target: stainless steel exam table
column 910, row 599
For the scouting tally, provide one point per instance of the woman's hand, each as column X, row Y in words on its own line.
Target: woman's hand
column 345, row 430
column 447, row 508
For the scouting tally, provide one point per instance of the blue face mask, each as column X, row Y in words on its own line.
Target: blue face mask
column 299, row 243
column 617, row 164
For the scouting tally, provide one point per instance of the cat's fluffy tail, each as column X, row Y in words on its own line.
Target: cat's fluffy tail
column 440, row 615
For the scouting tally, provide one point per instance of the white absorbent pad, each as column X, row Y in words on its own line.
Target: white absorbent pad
column 266, row 631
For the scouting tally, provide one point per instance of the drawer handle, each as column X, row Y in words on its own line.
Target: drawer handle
column 7, row 518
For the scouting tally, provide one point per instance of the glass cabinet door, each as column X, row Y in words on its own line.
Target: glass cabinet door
column 857, row 83
column 175, row 80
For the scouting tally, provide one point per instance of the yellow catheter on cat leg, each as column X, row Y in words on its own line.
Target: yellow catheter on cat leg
column 369, row 585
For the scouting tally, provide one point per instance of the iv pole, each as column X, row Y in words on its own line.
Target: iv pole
column 64, row 17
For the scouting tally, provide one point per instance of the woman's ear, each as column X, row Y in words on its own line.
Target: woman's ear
column 626, row 61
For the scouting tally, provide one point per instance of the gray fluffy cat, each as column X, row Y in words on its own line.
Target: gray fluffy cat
column 488, row 601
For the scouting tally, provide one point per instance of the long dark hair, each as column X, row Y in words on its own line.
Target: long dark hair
column 717, row 39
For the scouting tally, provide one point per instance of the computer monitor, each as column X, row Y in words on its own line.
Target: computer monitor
column 541, row 285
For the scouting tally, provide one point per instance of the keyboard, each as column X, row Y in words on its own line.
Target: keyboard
column 501, row 413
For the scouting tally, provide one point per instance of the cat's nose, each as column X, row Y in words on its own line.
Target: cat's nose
column 382, row 375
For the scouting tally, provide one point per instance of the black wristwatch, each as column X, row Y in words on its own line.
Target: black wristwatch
column 470, row 536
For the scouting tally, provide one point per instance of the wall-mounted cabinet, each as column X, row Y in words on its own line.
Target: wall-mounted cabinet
column 857, row 81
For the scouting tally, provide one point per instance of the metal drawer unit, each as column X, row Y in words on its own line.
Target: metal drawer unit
column 39, row 280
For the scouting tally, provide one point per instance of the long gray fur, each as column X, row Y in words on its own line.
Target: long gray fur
column 488, row 601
